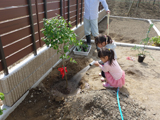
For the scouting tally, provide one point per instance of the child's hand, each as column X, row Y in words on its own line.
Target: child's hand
column 96, row 63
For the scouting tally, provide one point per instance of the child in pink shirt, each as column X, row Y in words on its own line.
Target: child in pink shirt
column 115, row 76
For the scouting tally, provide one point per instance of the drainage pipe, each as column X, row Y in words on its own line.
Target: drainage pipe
column 131, row 45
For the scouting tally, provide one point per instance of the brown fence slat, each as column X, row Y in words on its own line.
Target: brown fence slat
column 20, row 55
column 73, row 24
column 15, row 12
column 15, row 24
column 52, row 6
column 39, row 1
column 8, row 3
column 41, row 25
column 41, row 17
column 73, row 7
column 18, row 45
column 40, row 8
column 7, row 39
column 72, row 13
column 53, row 13
column 73, row 2
column 73, row 18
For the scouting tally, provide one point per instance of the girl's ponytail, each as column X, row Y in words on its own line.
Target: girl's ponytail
column 103, row 52
column 109, row 39
column 111, row 56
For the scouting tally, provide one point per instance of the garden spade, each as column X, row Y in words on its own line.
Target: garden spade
column 108, row 23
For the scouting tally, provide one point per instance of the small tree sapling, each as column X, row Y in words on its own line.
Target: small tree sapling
column 141, row 50
column 60, row 37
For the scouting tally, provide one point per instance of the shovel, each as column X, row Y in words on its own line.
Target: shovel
column 108, row 23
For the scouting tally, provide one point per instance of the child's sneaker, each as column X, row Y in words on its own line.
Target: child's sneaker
column 107, row 85
column 100, row 74
column 103, row 79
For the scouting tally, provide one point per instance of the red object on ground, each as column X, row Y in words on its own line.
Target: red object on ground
column 62, row 71
column 130, row 58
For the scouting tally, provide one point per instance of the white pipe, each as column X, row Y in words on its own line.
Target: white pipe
column 133, row 18
column 154, row 27
column 131, row 45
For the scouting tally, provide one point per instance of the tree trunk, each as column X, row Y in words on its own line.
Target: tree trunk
column 65, row 75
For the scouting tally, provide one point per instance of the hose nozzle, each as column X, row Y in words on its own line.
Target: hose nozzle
column 92, row 63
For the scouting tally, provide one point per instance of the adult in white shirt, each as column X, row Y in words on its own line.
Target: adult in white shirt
column 91, row 17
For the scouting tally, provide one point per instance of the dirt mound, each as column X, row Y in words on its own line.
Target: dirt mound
column 100, row 105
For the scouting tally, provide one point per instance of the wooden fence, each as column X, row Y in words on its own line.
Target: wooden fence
column 21, row 22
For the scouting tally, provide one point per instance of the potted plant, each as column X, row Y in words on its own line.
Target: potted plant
column 141, row 50
column 1, row 98
column 155, row 40
column 60, row 37
column 82, row 49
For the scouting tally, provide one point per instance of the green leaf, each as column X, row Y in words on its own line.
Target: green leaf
column 1, row 111
column 1, row 96
column 70, row 59
column 74, row 61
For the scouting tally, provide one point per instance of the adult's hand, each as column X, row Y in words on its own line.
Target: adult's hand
column 108, row 11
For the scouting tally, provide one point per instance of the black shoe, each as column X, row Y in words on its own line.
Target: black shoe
column 88, row 38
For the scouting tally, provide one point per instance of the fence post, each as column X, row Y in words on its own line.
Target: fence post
column 81, row 10
column 45, row 9
column 68, row 10
column 77, row 15
column 61, row 7
column 32, row 26
column 45, row 12
column 3, row 60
